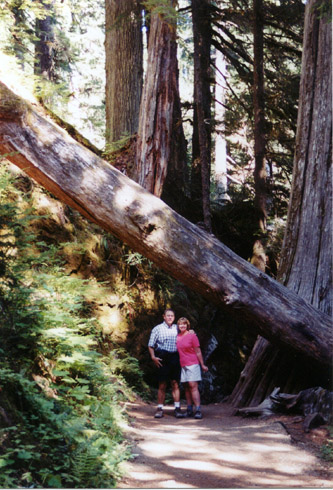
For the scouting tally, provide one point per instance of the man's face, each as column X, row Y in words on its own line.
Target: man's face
column 169, row 318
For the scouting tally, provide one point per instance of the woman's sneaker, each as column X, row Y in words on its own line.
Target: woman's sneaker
column 189, row 412
column 159, row 413
column 198, row 414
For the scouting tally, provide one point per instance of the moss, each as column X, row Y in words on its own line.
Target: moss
column 11, row 106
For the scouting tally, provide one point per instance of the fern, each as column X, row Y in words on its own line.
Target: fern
column 65, row 422
column 85, row 463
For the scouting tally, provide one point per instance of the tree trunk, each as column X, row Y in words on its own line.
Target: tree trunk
column 44, row 46
column 220, row 168
column 259, row 255
column 124, row 67
column 107, row 197
column 19, row 47
column 160, row 135
column 174, row 187
column 306, row 262
column 202, row 106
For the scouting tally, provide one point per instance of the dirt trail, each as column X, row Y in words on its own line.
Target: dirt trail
column 219, row 451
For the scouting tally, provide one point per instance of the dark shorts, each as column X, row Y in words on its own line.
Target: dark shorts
column 170, row 369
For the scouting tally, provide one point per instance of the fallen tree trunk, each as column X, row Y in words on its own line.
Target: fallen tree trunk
column 105, row 196
column 315, row 404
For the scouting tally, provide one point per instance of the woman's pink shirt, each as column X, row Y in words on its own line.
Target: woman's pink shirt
column 185, row 346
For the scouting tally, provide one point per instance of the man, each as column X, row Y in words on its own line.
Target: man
column 163, row 351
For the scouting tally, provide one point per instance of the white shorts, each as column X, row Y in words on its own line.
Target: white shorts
column 190, row 373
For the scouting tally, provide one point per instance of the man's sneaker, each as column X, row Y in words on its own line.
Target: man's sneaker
column 159, row 413
column 198, row 415
column 178, row 413
column 189, row 412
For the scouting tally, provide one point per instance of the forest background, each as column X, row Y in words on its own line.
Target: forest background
column 198, row 103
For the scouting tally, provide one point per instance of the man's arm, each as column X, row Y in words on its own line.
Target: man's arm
column 156, row 360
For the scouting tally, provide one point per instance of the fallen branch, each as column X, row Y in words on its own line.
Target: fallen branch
column 315, row 404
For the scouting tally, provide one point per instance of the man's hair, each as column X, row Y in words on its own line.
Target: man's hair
column 184, row 320
column 168, row 309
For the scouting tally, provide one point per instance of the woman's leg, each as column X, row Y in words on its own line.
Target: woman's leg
column 188, row 395
column 195, row 395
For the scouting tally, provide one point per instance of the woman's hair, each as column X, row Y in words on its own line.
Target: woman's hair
column 184, row 320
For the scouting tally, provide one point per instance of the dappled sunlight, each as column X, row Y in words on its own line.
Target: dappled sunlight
column 232, row 457
column 188, row 464
column 11, row 74
column 211, row 453
column 124, row 197
column 174, row 484
column 145, row 476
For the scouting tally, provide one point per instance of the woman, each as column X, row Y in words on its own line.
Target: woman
column 190, row 360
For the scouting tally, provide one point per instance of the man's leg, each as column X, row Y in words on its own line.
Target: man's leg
column 176, row 398
column 162, row 385
column 175, row 391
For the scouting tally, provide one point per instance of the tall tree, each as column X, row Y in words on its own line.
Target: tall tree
column 306, row 262
column 220, row 167
column 258, row 255
column 44, row 65
column 124, row 67
column 201, row 147
column 161, row 143
column 44, row 45
column 232, row 34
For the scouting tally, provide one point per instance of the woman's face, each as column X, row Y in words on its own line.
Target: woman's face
column 182, row 327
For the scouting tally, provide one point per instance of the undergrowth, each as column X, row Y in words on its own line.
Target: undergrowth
column 61, row 394
column 327, row 449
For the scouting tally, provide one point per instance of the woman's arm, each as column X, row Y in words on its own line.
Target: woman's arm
column 200, row 359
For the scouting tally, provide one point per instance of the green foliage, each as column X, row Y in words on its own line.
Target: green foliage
column 127, row 368
column 115, row 146
column 62, row 398
column 324, row 10
column 135, row 258
column 232, row 34
column 327, row 449
column 76, row 74
column 164, row 8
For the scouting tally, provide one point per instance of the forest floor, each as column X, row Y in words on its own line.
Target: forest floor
column 222, row 451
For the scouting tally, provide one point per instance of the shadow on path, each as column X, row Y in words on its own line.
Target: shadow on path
column 219, row 451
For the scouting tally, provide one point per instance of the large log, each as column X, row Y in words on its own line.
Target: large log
column 315, row 404
column 104, row 195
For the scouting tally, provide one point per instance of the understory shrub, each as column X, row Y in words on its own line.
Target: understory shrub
column 61, row 398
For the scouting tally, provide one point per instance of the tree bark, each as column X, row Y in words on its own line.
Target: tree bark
column 220, row 168
column 306, row 261
column 202, row 107
column 160, row 134
column 44, row 45
column 259, row 255
column 104, row 195
column 124, row 67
